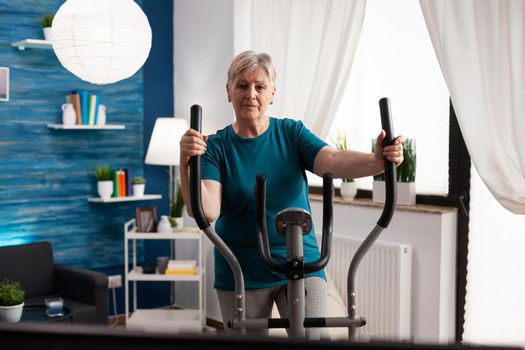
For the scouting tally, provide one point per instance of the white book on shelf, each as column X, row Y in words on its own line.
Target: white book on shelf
column 182, row 264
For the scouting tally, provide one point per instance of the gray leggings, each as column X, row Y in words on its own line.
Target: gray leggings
column 259, row 304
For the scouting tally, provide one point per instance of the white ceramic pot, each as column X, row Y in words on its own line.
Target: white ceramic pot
column 138, row 190
column 178, row 223
column 378, row 191
column 11, row 313
column 406, row 192
column 348, row 190
column 105, row 189
column 47, row 33
column 164, row 225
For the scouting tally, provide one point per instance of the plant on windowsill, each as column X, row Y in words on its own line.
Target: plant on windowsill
column 104, row 181
column 176, row 208
column 348, row 188
column 47, row 22
column 139, row 185
column 406, row 177
column 11, row 301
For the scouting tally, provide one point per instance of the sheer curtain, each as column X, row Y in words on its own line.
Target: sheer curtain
column 312, row 43
column 395, row 59
column 480, row 45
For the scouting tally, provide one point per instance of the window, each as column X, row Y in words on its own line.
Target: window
column 395, row 59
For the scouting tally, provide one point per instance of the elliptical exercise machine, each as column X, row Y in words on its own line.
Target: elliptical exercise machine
column 294, row 223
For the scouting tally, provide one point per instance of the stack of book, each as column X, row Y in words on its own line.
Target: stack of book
column 182, row 267
column 85, row 105
column 122, row 186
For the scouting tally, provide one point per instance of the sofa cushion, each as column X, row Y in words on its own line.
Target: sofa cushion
column 30, row 264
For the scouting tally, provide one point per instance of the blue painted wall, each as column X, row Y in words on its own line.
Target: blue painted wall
column 46, row 176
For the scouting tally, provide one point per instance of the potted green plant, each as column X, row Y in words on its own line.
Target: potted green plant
column 11, row 301
column 176, row 208
column 406, row 177
column 348, row 188
column 104, row 181
column 139, row 185
column 47, row 22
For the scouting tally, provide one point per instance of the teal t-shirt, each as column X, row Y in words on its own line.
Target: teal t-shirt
column 283, row 153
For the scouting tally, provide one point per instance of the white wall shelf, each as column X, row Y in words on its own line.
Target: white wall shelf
column 33, row 44
column 86, row 127
column 170, row 319
column 146, row 197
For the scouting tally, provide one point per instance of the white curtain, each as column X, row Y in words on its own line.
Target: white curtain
column 312, row 43
column 480, row 45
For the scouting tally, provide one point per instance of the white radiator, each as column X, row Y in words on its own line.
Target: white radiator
column 383, row 285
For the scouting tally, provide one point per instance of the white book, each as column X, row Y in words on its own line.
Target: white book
column 182, row 264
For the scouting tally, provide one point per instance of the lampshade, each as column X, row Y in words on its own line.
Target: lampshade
column 164, row 146
column 101, row 41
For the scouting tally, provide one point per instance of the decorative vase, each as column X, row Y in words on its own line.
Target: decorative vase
column 164, row 225
column 105, row 189
column 138, row 190
column 177, row 223
column 11, row 313
column 69, row 117
column 348, row 190
column 47, row 33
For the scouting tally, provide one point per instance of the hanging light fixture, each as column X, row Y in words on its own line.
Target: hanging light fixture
column 101, row 41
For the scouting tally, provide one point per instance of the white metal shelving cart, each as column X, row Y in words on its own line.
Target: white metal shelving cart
column 164, row 319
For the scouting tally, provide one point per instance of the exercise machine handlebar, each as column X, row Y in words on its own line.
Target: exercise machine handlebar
column 390, row 169
column 195, row 173
column 384, row 220
column 326, row 241
column 262, row 233
column 204, row 225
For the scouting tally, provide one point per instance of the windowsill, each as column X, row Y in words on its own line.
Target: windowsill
column 367, row 202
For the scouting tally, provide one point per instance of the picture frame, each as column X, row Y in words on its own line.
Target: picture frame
column 146, row 219
column 4, row 84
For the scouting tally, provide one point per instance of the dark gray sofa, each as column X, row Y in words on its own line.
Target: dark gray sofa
column 85, row 292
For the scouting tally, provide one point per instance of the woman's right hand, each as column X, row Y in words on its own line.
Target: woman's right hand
column 192, row 143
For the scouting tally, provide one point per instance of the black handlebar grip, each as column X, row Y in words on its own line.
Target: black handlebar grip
column 326, row 243
column 390, row 169
column 328, row 191
column 260, row 202
column 386, row 121
column 262, row 233
column 195, row 173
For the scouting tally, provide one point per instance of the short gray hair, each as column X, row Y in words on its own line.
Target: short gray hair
column 251, row 60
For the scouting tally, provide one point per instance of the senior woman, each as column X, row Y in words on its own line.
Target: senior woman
column 283, row 149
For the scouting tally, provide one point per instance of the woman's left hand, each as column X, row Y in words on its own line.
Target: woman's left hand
column 393, row 153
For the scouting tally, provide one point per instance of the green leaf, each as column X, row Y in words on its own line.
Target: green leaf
column 11, row 293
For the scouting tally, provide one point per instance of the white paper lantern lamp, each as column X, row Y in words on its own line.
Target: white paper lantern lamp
column 101, row 41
